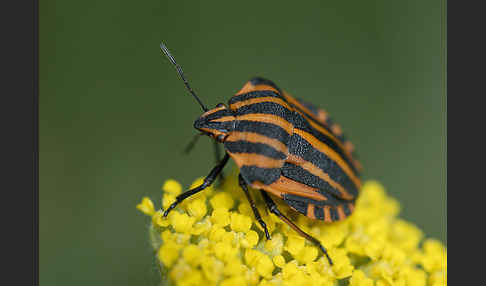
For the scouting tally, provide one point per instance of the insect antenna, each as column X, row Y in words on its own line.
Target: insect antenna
column 191, row 144
column 181, row 74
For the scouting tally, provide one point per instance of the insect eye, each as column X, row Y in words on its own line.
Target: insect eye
column 220, row 137
column 220, row 105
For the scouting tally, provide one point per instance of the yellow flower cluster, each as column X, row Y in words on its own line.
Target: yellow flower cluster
column 212, row 238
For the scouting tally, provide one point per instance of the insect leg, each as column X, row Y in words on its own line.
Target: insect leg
column 207, row 182
column 273, row 208
column 253, row 206
column 192, row 143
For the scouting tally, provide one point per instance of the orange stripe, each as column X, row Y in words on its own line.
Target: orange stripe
column 349, row 146
column 337, row 129
column 331, row 154
column 248, row 87
column 351, row 207
column 286, row 186
column 215, row 132
column 268, row 118
column 316, row 171
column 224, row 119
column 240, row 104
column 251, row 159
column 340, row 212
column 327, row 214
column 257, row 138
column 305, row 109
column 322, row 116
column 211, row 111
column 310, row 211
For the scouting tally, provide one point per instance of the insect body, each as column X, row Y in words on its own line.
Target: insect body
column 284, row 147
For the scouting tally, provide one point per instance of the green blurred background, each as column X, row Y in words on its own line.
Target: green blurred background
column 114, row 117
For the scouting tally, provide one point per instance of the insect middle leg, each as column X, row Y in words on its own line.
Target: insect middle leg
column 253, row 206
column 273, row 208
column 206, row 183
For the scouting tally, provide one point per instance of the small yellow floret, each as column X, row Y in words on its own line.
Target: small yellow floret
column 239, row 222
column 193, row 255
column 251, row 239
column 279, row 261
column 359, row 278
column 146, row 206
column 306, row 255
column 197, row 208
column 220, row 217
column 275, row 245
column 294, row 244
column 181, row 222
column 264, row 266
column 172, row 187
column 221, row 200
column 169, row 252
column 160, row 221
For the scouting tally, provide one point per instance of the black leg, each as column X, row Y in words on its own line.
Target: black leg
column 273, row 208
column 253, row 206
column 207, row 182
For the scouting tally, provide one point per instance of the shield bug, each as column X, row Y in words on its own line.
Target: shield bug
column 284, row 147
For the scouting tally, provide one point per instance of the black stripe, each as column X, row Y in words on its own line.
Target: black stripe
column 300, row 204
column 266, row 108
column 334, row 214
column 301, row 123
column 260, row 80
column 312, row 108
column 219, row 114
column 266, row 129
column 290, row 197
column 319, row 212
column 298, row 174
column 253, row 94
column 242, row 146
column 265, row 175
column 346, row 209
column 300, row 147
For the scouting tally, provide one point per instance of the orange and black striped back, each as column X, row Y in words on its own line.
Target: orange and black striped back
column 277, row 141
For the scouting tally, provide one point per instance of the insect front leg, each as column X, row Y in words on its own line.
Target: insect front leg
column 273, row 209
column 253, row 206
column 206, row 183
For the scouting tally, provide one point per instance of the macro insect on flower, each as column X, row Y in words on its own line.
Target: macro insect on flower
column 283, row 147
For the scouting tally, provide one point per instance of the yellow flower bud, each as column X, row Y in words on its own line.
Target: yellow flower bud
column 197, row 208
column 222, row 200
column 146, row 206
column 240, row 223
column 220, row 217
column 172, row 187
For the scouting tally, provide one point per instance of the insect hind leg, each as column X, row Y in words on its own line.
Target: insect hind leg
column 273, row 209
column 206, row 183
column 253, row 206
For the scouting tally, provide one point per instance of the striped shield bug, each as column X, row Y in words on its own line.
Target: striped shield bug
column 284, row 147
